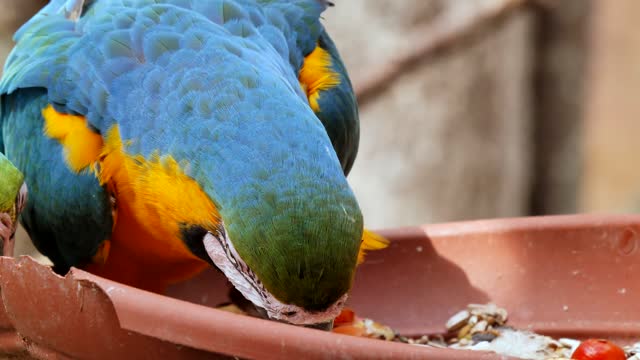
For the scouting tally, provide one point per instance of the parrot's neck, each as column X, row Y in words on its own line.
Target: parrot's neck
column 226, row 258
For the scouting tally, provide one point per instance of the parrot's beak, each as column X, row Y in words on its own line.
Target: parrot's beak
column 245, row 295
column 262, row 313
column 326, row 326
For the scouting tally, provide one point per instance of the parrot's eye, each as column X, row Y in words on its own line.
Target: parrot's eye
column 289, row 313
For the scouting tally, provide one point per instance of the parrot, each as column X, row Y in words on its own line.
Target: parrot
column 13, row 196
column 162, row 137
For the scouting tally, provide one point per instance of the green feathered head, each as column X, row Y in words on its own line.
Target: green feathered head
column 11, row 180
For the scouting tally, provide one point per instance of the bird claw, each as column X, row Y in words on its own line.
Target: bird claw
column 6, row 234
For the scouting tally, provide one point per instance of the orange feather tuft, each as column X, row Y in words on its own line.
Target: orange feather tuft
column 81, row 144
column 371, row 241
column 316, row 76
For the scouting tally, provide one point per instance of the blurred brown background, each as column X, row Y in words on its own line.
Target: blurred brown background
column 483, row 108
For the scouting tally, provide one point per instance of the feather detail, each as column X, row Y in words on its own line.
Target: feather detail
column 371, row 241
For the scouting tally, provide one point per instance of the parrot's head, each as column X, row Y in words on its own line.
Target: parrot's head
column 289, row 245
column 294, row 261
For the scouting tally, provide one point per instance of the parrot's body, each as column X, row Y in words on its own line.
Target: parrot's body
column 13, row 194
column 161, row 137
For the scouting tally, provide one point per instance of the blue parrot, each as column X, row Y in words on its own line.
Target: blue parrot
column 161, row 137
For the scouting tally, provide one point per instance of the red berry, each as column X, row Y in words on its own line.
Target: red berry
column 347, row 316
column 598, row 349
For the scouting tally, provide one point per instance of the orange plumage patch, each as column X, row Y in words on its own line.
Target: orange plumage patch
column 154, row 198
column 371, row 241
column 316, row 76
column 82, row 145
column 156, row 189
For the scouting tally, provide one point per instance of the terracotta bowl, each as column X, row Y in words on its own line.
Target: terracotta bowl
column 569, row 276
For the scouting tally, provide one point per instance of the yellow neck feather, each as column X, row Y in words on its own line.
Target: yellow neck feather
column 316, row 76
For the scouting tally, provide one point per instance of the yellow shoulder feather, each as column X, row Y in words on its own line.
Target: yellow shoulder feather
column 81, row 144
column 371, row 241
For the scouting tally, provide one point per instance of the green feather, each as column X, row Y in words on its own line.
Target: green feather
column 11, row 180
